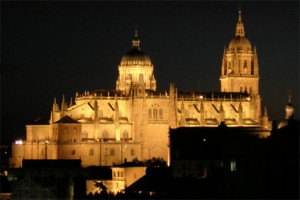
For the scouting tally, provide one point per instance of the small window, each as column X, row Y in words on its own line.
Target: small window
column 73, row 152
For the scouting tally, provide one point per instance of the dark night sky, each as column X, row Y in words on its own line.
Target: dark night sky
column 53, row 48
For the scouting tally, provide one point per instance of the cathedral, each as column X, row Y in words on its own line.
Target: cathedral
column 105, row 128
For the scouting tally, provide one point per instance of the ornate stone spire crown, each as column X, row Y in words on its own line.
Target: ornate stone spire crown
column 240, row 31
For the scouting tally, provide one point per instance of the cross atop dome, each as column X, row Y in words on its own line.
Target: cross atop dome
column 136, row 40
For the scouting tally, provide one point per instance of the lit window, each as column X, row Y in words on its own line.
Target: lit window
column 232, row 165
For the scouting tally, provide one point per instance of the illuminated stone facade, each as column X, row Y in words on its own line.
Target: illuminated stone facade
column 133, row 121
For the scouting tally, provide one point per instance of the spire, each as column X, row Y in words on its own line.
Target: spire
column 289, row 108
column 265, row 112
column 63, row 103
column 54, row 107
column 290, row 96
column 136, row 40
column 71, row 102
column 239, row 31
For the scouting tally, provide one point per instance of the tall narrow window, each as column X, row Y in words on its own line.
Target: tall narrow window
column 149, row 112
column 161, row 113
column 141, row 79
column 155, row 112
column 245, row 64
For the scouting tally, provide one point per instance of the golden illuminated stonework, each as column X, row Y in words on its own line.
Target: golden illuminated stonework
column 135, row 70
column 109, row 127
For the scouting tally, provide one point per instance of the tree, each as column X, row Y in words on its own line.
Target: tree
column 156, row 163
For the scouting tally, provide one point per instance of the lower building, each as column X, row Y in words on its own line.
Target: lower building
column 239, row 162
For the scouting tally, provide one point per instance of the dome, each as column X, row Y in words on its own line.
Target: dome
column 239, row 43
column 135, row 57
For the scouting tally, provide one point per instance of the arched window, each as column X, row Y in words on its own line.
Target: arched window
column 155, row 112
column 149, row 112
column 161, row 113
column 245, row 64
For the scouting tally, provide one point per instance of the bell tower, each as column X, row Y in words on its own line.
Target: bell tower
column 239, row 72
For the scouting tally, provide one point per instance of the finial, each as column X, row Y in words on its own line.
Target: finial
column 136, row 40
column 71, row 102
column 265, row 111
column 290, row 95
column 136, row 35
column 240, row 12
column 240, row 26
